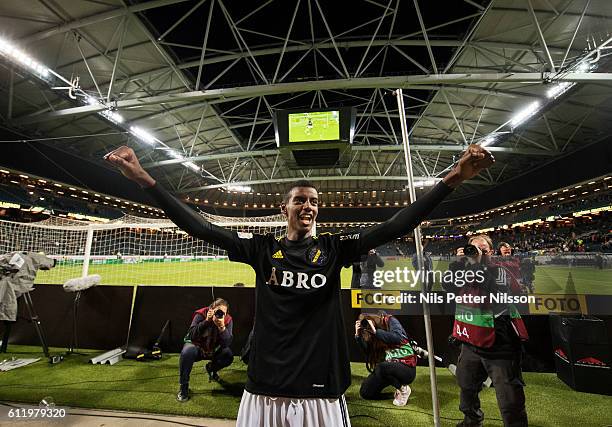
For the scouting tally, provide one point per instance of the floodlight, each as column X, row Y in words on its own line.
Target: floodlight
column 112, row 116
column 426, row 182
column 559, row 89
column 174, row 154
column 143, row 135
column 239, row 188
column 192, row 166
column 525, row 114
column 488, row 140
column 17, row 55
column 584, row 67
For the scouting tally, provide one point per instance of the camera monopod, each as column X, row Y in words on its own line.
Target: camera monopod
column 424, row 354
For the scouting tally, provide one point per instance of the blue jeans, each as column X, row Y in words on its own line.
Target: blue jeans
column 190, row 354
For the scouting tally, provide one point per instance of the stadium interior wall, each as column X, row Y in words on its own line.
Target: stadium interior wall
column 105, row 311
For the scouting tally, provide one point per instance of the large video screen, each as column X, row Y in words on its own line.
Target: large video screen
column 314, row 126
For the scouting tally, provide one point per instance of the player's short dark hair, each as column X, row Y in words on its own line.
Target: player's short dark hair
column 503, row 244
column 296, row 184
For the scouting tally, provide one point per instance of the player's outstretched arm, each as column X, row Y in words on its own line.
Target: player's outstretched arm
column 124, row 159
column 472, row 162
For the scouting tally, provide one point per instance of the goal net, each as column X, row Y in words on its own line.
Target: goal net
column 135, row 251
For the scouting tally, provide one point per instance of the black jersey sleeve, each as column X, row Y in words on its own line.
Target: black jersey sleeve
column 354, row 245
column 246, row 247
column 241, row 247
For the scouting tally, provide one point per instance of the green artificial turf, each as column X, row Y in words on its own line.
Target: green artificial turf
column 548, row 280
column 151, row 387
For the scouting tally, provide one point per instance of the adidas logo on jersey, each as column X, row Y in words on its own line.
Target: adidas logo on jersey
column 278, row 255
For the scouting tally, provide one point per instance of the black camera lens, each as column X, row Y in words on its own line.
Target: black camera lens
column 470, row 250
column 364, row 324
column 219, row 314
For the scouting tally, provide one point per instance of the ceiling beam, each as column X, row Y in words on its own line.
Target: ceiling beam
column 322, row 179
column 450, row 148
column 275, row 50
column 411, row 81
column 448, row 88
column 98, row 17
column 309, row 45
column 373, row 148
column 520, row 10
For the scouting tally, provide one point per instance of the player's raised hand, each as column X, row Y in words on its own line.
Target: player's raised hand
column 124, row 159
column 474, row 160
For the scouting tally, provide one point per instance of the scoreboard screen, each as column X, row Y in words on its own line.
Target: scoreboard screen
column 314, row 126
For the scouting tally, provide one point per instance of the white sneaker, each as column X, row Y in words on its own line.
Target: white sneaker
column 401, row 396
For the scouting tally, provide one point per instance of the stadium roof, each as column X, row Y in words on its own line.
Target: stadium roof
column 203, row 78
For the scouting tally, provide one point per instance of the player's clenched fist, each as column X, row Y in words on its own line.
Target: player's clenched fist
column 473, row 160
column 124, row 159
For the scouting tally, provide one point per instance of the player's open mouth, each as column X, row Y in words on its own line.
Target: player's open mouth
column 306, row 218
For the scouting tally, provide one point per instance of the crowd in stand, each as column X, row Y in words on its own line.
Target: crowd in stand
column 50, row 201
column 582, row 234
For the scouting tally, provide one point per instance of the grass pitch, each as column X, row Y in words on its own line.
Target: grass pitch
column 152, row 386
column 548, row 279
column 315, row 126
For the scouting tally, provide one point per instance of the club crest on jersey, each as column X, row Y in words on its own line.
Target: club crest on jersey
column 299, row 280
column 317, row 256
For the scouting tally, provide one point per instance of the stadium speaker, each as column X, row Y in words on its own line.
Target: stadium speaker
column 582, row 353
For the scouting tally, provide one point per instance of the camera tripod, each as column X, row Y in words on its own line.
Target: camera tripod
column 37, row 326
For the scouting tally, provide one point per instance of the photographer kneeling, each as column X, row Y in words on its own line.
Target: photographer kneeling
column 208, row 338
column 382, row 337
column 490, row 335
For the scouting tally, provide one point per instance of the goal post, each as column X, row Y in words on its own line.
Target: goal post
column 135, row 251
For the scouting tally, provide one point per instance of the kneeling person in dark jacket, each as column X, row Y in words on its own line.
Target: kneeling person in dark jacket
column 208, row 338
column 382, row 337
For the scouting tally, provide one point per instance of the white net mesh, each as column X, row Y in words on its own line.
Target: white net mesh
column 135, row 251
